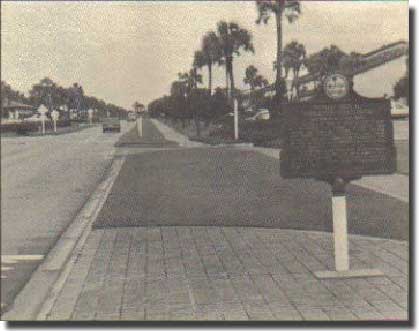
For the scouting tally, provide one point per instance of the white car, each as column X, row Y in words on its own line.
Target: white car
column 261, row 114
column 399, row 110
column 34, row 118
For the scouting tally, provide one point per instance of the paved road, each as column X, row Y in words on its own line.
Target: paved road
column 44, row 183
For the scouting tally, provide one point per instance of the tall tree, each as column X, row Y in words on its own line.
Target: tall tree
column 212, row 53
column 192, row 79
column 253, row 79
column 329, row 59
column 291, row 9
column 294, row 58
column 233, row 39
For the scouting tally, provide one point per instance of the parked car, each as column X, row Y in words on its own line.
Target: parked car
column 224, row 119
column 132, row 116
column 261, row 114
column 111, row 124
column 399, row 110
column 34, row 118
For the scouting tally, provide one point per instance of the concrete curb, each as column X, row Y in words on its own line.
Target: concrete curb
column 184, row 141
column 38, row 295
column 233, row 145
column 172, row 135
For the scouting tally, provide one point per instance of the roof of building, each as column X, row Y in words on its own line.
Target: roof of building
column 14, row 105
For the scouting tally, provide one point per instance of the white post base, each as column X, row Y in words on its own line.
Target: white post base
column 348, row 273
column 236, row 119
column 340, row 232
column 140, row 126
column 340, row 238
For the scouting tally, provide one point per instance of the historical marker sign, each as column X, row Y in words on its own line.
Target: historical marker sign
column 332, row 138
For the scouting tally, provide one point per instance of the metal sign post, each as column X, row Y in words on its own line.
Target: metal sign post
column 55, row 115
column 140, row 125
column 340, row 227
column 340, row 238
column 236, row 119
column 90, row 112
column 43, row 123
column 43, row 110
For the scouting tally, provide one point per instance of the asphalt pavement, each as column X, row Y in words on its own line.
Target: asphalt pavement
column 44, row 183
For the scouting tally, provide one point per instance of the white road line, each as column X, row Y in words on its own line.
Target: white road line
column 6, row 268
column 11, row 259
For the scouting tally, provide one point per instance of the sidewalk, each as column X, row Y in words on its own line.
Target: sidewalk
column 153, row 271
column 229, row 273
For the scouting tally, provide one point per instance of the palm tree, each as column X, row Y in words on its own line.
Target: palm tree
column 293, row 59
column 291, row 9
column 329, row 59
column 191, row 79
column 254, row 80
column 211, row 53
column 199, row 60
column 233, row 40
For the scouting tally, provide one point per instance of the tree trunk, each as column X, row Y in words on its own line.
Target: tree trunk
column 210, row 78
column 227, row 94
column 197, row 126
column 297, row 85
column 278, row 82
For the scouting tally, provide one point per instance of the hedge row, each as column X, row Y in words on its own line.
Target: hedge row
column 27, row 127
column 261, row 133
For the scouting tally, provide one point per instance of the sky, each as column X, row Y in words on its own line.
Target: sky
column 131, row 51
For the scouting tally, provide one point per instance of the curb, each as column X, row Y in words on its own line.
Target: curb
column 234, row 145
column 37, row 297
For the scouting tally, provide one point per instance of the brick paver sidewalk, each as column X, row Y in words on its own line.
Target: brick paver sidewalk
column 229, row 273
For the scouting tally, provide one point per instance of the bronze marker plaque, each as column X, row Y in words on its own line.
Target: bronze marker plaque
column 338, row 139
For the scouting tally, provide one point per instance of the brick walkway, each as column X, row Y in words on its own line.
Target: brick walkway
column 229, row 273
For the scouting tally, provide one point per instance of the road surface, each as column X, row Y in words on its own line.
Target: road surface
column 44, row 183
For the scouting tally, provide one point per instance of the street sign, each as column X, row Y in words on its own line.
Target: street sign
column 55, row 115
column 338, row 136
column 346, row 138
column 42, row 109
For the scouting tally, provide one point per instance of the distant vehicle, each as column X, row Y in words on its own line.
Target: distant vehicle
column 261, row 114
column 225, row 119
column 111, row 124
column 132, row 116
column 399, row 110
column 34, row 118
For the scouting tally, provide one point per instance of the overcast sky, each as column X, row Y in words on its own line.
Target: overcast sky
column 128, row 51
